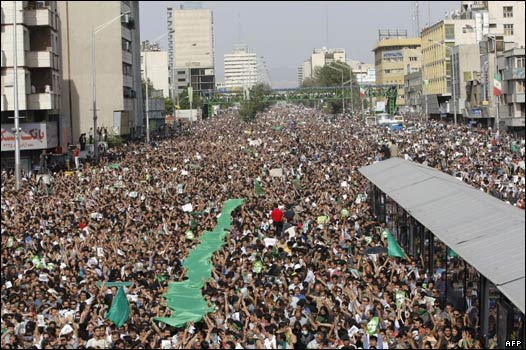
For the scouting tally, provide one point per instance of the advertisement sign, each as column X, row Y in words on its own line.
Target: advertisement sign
column 393, row 54
column 32, row 136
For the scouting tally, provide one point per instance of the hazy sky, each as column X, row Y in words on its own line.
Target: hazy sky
column 286, row 32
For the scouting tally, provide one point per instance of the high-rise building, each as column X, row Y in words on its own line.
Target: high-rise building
column 38, row 79
column 117, row 66
column 193, row 49
column 396, row 55
column 240, row 68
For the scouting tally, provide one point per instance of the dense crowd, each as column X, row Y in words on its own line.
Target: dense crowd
column 293, row 272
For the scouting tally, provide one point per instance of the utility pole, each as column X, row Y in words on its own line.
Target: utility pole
column 17, row 116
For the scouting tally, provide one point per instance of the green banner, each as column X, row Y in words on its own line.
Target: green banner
column 393, row 248
column 185, row 298
column 257, row 187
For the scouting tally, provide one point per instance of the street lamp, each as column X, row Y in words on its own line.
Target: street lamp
column 147, row 88
column 453, row 78
column 343, row 95
column 350, row 81
column 93, row 32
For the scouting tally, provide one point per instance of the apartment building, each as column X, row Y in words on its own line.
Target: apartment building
column 512, row 103
column 155, row 63
column 114, row 28
column 396, row 55
column 38, row 78
column 193, row 49
column 240, row 69
column 319, row 58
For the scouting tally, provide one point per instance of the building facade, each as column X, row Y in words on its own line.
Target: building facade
column 394, row 58
column 193, row 49
column 319, row 58
column 117, row 66
column 365, row 73
column 512, row 108
column 240, row 69
column 38, row 79
column 155, row 63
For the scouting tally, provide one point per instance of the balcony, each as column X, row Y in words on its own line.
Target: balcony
column 126, row 34
column 40, row 59
column 129, row 104
column 38, row 17
column 44, row 101
column 513, row 74
column 518, row 97
column 128, row 81
column 127, row 57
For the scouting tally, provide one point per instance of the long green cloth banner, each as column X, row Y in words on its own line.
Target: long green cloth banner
column 185, row 298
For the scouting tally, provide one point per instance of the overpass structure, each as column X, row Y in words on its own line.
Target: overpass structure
column 328, row 93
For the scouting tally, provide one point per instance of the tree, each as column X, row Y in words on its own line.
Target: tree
column 326, row 77
column 184, row 102
column 256, row 101
column 168, row 106
column 150, row 88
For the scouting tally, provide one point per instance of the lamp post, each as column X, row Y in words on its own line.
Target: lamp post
column 94, row 83
column 343, row 94
column 350, row 81
column 453, row 78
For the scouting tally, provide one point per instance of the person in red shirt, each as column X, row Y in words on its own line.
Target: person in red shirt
column 277, row 219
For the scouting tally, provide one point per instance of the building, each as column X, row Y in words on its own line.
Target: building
column 437, row 60
column 38, row 78
column 319, row 58
column 365, row 73
column 413, row 93
column 193, row 49
column 117, row 66
column 395, row 55
column 466, row 61
column 169, row 25
column 155, row 63
column 512, row 109
column 240, row 68
column 300, row 76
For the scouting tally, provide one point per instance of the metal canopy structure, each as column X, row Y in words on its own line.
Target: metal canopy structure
column 486, row 232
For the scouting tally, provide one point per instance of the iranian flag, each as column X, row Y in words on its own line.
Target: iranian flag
column 362, row 92
column 497, row 85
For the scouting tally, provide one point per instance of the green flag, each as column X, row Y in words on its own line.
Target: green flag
column 393, row 248
column 277, row 127
column 514, row 148
column 372, row 326
column 119, row 311
column 115, row 166
column 259, row 190
column 451, row 253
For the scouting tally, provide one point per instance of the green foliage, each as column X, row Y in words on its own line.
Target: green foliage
column 249, row 108
column 168, row 106
column 184, row 102
column 326, row 76
column 115, row 141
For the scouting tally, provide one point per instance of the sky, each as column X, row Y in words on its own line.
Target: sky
column 286, row 32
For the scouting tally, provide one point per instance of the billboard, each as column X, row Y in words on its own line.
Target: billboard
column 33, row 136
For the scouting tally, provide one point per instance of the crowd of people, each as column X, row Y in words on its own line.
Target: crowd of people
column 293, row 272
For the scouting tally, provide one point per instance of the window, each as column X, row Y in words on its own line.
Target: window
column 450, row 31
column 508, row 29
column 519, row 87
column 507, row 11
column 519, row 62
column 412, row 59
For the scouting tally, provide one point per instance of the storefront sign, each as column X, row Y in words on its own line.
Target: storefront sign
column 32, row 136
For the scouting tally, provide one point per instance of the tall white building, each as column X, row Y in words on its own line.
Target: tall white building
column 38, row 78
column 240, row 68
column 319, row 58
column 193, row 48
